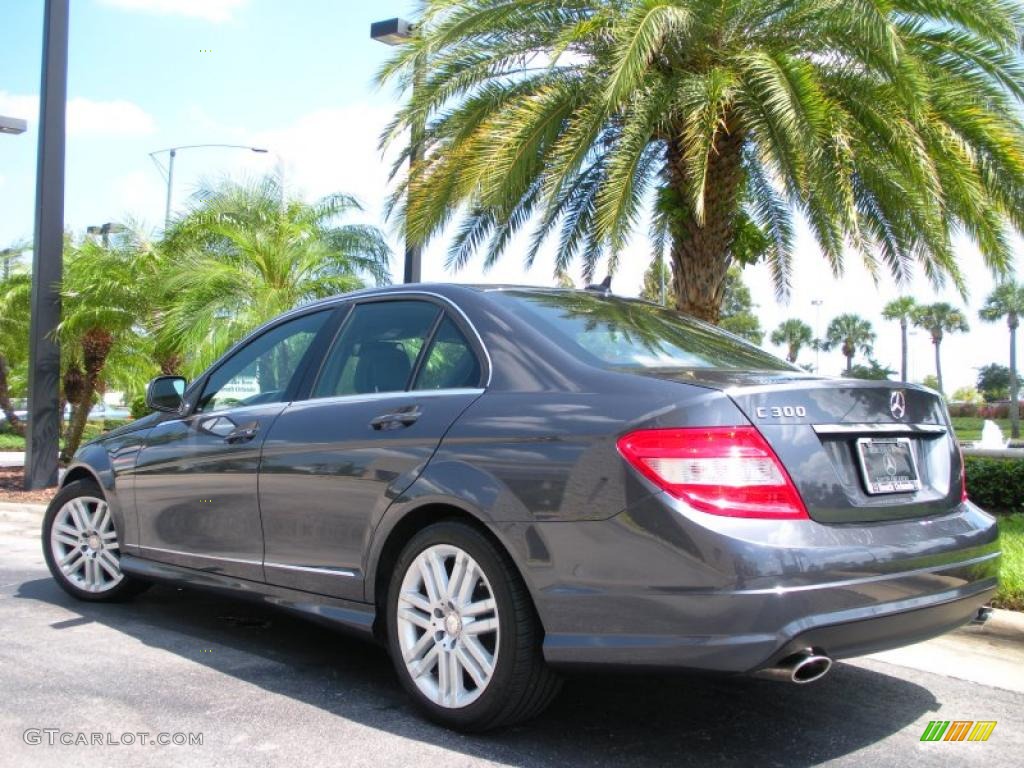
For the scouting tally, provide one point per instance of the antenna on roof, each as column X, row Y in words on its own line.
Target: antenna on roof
column 604, row 286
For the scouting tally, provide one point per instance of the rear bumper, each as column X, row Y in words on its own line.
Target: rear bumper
column 661, row 587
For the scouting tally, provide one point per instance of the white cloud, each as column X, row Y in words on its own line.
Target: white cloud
column 86, row 117
column 207, row 10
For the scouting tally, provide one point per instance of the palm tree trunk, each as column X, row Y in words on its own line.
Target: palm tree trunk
column 701, row 250
column 849, row 363
column 5, row 401
column 1014, row 394
column 96, row 346
column 76, row 427
column 938, row 366
column 903, row 359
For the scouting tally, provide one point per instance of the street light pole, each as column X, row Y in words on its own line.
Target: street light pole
column 398, row 32
column 173, row 152
column 170, row 188
column 47, row 256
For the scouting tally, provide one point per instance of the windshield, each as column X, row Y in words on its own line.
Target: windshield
column 624, row 333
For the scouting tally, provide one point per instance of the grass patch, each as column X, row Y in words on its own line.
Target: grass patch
column 1011, row 571
column 11, row 442
column 968, row 428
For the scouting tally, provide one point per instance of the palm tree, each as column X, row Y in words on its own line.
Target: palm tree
column 794, row 334
column 901, row 309
column 1007, row 300
column 15, row 290
column 850, row 333
column 939, row 319
column 657, row 282
column 888, row 125
column 106, row 296
column 244, row 253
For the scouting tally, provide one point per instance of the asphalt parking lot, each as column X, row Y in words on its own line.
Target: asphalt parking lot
column 264, row 688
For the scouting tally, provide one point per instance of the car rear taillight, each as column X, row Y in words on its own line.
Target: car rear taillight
column 728, row 471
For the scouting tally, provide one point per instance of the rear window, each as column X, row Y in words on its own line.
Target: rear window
column 623, row 333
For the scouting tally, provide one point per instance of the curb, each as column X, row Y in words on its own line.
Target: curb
column 1002, row 625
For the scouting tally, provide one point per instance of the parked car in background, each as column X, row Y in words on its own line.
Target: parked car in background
column 100, row 412
column 497, row 483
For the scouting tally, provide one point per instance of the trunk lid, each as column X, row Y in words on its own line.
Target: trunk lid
column 817, row 426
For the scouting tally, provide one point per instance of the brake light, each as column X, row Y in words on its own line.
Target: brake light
column 728, row 471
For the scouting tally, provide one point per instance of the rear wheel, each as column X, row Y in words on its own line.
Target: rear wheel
column 463, row 634
column 82, row 548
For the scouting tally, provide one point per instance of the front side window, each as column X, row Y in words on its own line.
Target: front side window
column 450, row 362
column 623, row 333
column 261, row 371
column 377, row 349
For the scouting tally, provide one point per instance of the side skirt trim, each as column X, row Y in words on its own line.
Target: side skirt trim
column 348, row 615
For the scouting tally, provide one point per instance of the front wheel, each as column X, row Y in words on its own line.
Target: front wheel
column 81, row 545
column 463, row 633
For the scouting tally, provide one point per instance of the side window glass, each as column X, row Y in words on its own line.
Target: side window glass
column 261, row 371
column 450, row 363
column 377, row 348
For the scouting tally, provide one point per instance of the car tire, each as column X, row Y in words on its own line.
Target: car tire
column 78, row 522
column 519, row 685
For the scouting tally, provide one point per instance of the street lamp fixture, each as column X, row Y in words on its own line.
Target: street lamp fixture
column 391, row 31
column 399, row 32
column 104, row 231
column 13, row 125
column 173, row 153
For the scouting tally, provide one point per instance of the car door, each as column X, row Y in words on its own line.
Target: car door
column 399, row 373
column 196, row 476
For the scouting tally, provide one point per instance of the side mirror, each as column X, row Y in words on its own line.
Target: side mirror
column 164, row 393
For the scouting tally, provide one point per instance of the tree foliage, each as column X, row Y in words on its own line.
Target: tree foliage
column 850, row 334
column 994, row 382
column 890, row 125
column 738, row 313
column 244, row 253
column 793, row 334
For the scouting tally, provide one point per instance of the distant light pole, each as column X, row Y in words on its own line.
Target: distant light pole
column 13, row 125
column 173, row 151
column 816, row 303
column 399, row 32
column 105, row 231
column 43, row 434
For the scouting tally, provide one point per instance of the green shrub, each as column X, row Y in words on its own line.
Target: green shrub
column 996, row 485
column 139, row 408
column 1011, row 570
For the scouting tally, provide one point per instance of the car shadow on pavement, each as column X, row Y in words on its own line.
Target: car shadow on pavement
column 599, row 719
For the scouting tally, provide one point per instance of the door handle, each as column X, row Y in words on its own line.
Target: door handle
column 243, row 434
column 403, row 417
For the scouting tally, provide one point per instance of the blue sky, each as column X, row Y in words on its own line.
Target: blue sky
column 295, row 76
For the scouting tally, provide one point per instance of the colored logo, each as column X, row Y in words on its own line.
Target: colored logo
column 958, row 730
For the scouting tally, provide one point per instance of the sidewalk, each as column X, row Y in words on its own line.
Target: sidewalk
column 990, row 654
column 12, row 458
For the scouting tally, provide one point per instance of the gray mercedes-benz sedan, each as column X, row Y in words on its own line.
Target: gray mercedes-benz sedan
column 499, row 482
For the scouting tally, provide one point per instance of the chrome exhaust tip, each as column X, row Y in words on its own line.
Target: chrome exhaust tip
column 800, row 668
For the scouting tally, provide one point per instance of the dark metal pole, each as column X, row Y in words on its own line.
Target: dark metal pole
column 47, row 256
column 413, row 251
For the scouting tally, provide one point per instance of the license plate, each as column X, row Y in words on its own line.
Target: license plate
column 887, row 465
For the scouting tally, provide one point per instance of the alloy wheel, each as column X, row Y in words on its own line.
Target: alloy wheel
column 84, row 545
column 448, row 629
